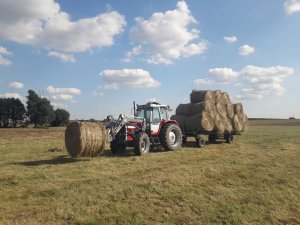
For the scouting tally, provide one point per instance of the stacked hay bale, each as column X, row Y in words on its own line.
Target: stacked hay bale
column 85, row 138
column 211, row 111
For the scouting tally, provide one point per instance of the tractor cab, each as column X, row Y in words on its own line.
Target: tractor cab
column 154, row 114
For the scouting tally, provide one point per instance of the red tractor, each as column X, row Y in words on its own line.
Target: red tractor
column 150, row 126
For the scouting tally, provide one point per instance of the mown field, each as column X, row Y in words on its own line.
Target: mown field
column 255, row 180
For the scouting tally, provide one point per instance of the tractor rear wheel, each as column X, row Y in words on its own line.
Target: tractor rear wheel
column 117, row 148
column 171, row 137
column 142, row 144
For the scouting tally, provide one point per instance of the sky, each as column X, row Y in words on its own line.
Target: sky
column 94, row 58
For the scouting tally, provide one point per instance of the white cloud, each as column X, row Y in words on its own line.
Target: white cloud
column 16, row 85
column 4, row 61
column 246, row 50
column 166, row 36
column 137, row 50
column 65, row 97
column 135, row 78
column 4, row 51
column 70, row 91
column 223, row 75
column 96, row 93
column 203, row 81
column 42, row 23
column 266, row 80
column 230, row 39
column 57, row 105
column 292, row 6
column 11, row 95
column 62, row 34
column 62, row 56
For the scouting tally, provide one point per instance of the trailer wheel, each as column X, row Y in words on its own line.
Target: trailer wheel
column 142, row 144
column 229, row 138
column 171, row 137
column 117, row 148
column 200, row 142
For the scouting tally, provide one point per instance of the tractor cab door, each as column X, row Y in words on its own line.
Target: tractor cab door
column 155, row 121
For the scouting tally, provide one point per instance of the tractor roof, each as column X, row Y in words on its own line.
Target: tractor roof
column 152, row 104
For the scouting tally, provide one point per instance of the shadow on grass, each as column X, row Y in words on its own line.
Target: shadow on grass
column 55, row 161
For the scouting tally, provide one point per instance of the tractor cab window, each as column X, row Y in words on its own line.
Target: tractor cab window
column 144, row 114
column 155, row 116
column 163, row 114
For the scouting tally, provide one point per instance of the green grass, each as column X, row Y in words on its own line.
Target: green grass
column 255, row 180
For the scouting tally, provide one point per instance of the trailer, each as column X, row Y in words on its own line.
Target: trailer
column 213, row 137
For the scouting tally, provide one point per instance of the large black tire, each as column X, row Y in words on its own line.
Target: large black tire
column 171, row 137
column 117, row 148
column 228, row 138
column 200, row 142
column 142, row 144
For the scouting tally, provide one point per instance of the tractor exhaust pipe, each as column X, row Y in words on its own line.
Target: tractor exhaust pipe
column 134, row 109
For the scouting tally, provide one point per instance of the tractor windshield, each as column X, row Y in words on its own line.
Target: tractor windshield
column 144, row 113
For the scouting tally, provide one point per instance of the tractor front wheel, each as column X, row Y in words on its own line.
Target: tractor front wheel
column 142, row 144
column 171, row 137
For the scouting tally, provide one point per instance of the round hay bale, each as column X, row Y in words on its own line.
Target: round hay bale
column 221, row 109
column 230, row 110
column 180, row 120
column 219, row 124
column 237, row 123
column 207, row 106
column 85, row 138
column 244, row 120
column 184, row 109
column 228, row 124
column 218, row 96
column 238, row 108
column 201, row 122
column 226, row 98
column 198, row 96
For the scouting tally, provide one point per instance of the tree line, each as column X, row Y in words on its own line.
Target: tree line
column 38, row 111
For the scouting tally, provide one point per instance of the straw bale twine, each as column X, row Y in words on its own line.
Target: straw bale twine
column 85, row 138
column 200, row 122
column 202, row 96
column 184, row 109
column 230, row 110
column 207, row 106
column 180, row 120
column 221, row 109
column 237, row 123
column 238, row 108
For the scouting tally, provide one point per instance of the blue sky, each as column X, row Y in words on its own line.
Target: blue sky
column 94, row 58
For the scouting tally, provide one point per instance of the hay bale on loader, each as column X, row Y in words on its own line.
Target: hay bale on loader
column 198, row 96
column 237, row 123
column 219, row 124
column 85, row 138
column 221, row 109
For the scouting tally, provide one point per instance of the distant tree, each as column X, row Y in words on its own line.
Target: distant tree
column 17, row 111
column 40, row 110
column 62, row 117
column 11, row 110
column 92, row 120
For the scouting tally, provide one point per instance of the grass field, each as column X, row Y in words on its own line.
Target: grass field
column 255, row 180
